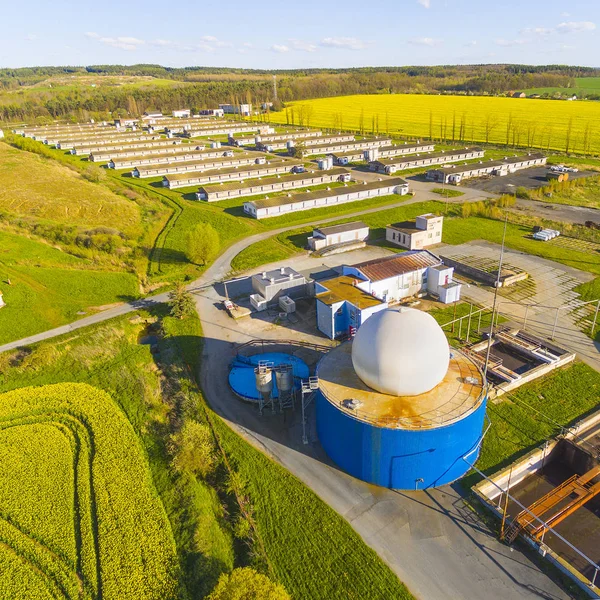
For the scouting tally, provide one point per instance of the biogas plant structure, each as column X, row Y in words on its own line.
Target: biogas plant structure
column 397, row 407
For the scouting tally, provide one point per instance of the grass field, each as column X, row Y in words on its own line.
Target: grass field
column 32, row 187
column 49, row 288
column 576, row 192
column 79, row 507
column 457, row 230
column 558, row 126
column 534, row 413
column 583, row 87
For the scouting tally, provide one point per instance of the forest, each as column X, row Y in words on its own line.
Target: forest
column 28, row 93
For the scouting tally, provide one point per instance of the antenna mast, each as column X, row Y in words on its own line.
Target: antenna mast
column 274, row 87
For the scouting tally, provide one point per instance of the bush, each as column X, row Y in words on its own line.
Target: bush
column 247, row 584
column 193, row 449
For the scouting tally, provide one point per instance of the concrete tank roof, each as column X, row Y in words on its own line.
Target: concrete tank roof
column 402, row 352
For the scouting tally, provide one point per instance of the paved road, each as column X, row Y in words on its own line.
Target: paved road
column 222, row 266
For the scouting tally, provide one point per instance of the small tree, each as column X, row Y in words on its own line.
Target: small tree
column 298, row 150
column 193, row 449
column 181, row 302
column 247, row 584
column 203, row 244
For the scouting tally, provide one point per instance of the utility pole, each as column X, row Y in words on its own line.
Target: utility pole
column 490, row 335
column 274, row 88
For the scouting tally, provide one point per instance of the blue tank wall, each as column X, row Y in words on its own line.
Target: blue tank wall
column 397, row 458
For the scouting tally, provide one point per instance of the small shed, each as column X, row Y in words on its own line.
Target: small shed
column 323, row 237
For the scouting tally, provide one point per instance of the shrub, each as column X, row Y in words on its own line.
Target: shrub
column 247, row 584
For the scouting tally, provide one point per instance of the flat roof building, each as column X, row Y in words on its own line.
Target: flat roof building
column 424, row 231
column 272, row 207
column 198, row 165
column 372, row 154
column 271, row 285
column 228, row 174
column 455, row 174
column 138, row 160
column 342, row 307
column 346, row 233
column 389, row 166
column 329, row 148
column 234, row 189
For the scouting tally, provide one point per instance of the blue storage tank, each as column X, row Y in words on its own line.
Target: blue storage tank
column 396, row 407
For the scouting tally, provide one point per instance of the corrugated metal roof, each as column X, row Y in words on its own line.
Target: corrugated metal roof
column 386, row 267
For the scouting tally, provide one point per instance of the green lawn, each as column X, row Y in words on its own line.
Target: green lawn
column 448, row 192
column 535, row 412
column 583, row 87
column 457, row 230
column 49, row 288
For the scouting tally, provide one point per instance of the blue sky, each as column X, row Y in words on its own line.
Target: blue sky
column 283, row 34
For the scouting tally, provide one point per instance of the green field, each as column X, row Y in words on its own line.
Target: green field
column 568, row 126
column 584, row 86
column 575, row 192
column 457, row 230
column 49, row 288
column 308, row 546
column 80, row 513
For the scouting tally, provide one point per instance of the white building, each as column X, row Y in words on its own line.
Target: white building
column 389, row 166
column 212, row 112
column 2, row 303
column 235, row 189
column 272, row 207
column 183, row 113
column 152, row 114
column 1, row 134
column 237, row 109
column 405, row 275
column 455, row 174
column 325, row 237
column 424, row 231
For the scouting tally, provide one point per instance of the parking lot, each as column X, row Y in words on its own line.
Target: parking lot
column 527, row 178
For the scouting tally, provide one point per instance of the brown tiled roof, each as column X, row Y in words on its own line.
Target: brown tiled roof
column 386, row 267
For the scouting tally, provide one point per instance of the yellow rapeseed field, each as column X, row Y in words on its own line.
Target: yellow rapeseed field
column 551, row 125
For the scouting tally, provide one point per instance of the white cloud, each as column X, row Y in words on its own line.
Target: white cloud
column 302, row 45
column 248, row 45
column 349, row 43
column 471, row 43
column 425, row 41
column 537, row 30
column 280, row 48
column 424, row 3
column 507, row 43
column 566, row 47
column 123, row 43
column 208, row 38
column 31, row 37
column 575, row 26
column 565, row 15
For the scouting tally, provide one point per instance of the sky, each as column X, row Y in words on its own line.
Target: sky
column 308, row 34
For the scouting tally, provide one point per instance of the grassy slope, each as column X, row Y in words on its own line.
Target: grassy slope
column 31, row 186
column 49, row 287
column 583, row 86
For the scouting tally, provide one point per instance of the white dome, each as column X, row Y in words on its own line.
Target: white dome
column 401, row 352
